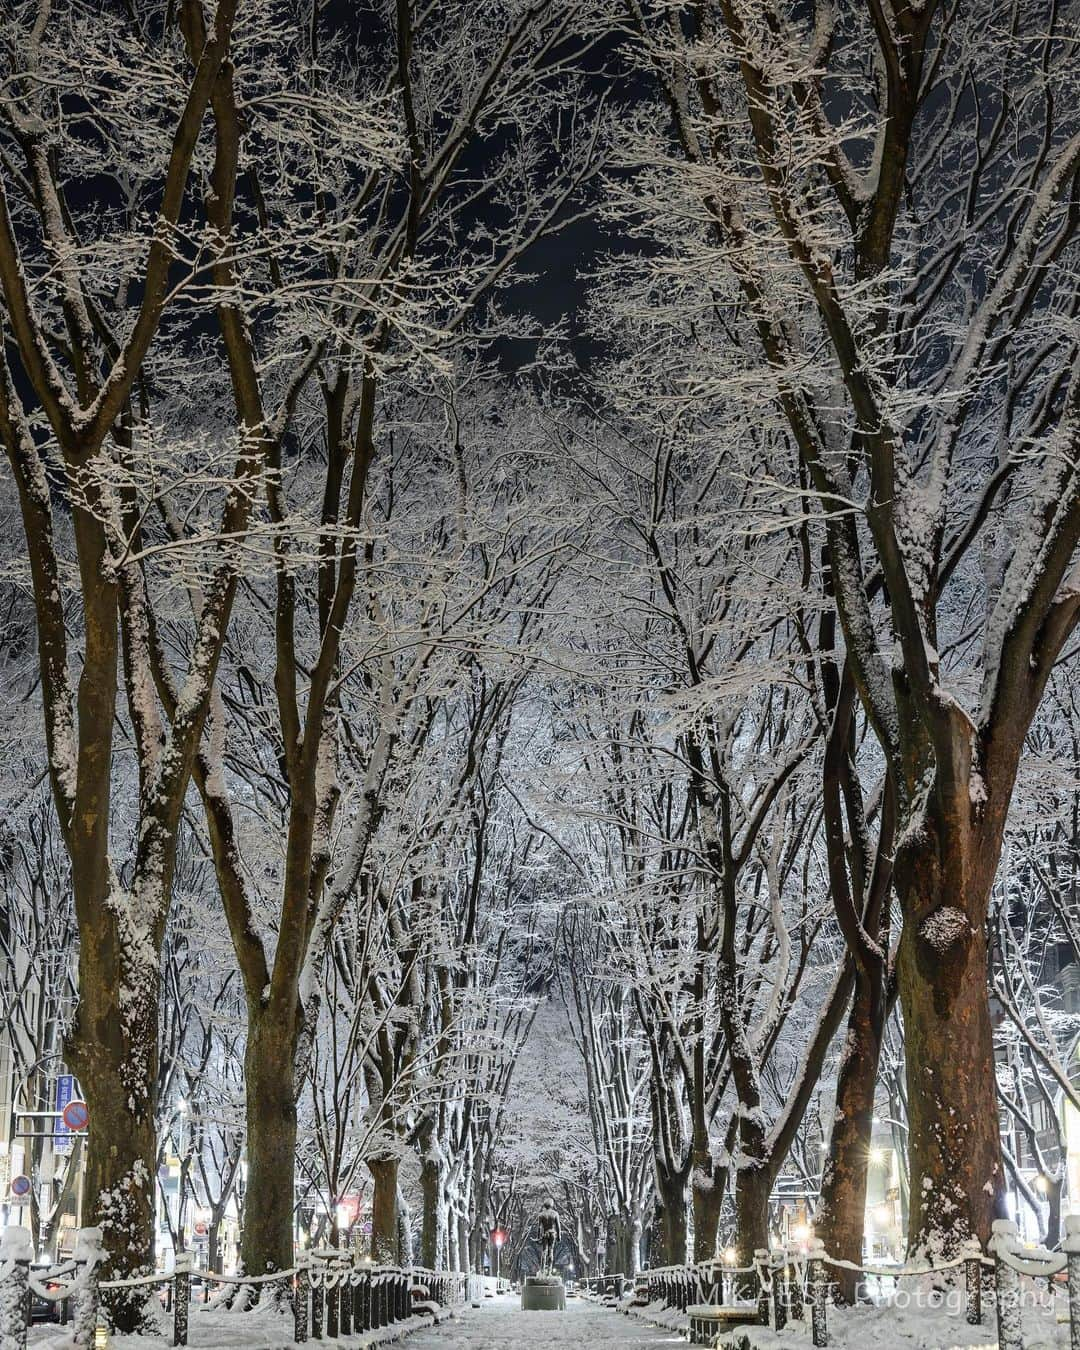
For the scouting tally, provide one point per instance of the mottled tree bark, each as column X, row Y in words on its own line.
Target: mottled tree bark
column 270, row 1094
column 384, row 1209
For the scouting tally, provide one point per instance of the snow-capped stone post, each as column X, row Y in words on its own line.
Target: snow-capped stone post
column 345, row 1302
column 332, row 1281
column 89, row 1254
column 318, row 1299
column 819, row 1289
column 16, row 1253
column 1071, row 1248
column 761, row 1268
column 181, row 1296
column 794, row 1286
column 973, row 1281
column 303, row 1295
column 1007, row 1284
column 779, row 1272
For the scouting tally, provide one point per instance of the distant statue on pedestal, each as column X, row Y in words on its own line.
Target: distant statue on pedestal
column 550, row 1232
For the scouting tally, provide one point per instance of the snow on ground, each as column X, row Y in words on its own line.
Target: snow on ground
column 498, row 1323
column 890, row 1328
column 501, row 1325
column 234, row 1331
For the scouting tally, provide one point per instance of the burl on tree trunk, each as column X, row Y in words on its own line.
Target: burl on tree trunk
column 944, row 870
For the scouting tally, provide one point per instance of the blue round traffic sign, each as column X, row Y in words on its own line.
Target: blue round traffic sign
column 76, row 1115
column 20, row 1186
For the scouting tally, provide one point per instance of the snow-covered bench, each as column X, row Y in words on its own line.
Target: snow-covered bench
column 707, row 1320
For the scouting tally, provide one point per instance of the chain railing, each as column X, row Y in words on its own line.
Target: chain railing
column 785, row 1284
column 332, row 1293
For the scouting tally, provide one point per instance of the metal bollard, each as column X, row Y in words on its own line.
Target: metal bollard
column 302, row 1297
column 16, row 1254
column 1071, row 1247
column 181, row 1297
column 819, row 1289
column 1007, row 1284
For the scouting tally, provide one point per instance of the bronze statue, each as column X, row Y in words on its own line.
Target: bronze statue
column 550, row 1232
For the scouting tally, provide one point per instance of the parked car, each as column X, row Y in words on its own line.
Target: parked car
column 45, row 1309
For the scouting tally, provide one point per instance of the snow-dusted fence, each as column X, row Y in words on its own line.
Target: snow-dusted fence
column 604, row 1286
column 1012, row 1261
column 78, row 1297
column 787, row 1285
column 332, row 1293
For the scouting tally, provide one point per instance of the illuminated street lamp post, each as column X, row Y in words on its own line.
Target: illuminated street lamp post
column 498, row 1237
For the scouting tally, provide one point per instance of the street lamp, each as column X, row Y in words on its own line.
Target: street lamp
column 498, row 1237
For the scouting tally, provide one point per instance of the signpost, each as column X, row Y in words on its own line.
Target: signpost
column 76, row 1115
column 65, row 1091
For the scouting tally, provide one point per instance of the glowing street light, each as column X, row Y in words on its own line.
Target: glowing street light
column 498, row 1237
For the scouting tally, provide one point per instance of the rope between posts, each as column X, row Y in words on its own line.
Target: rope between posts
column 898, row 1272
column 1041, row 1267
column 61, row 1291
column 158, row 1277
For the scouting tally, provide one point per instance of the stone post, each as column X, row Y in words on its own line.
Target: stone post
column 345, row 1301
column 761, row 1264
column 1071, row 1248
column 303, row 1296
column 973, row 1281
column 818, row 1290
column 89, row 1255
column 16, row 1253
column 318, row 1300
column 779, row 1271
column 332, row 1281
column 1007, row 1283
column 181, row 1296
column 795, row 1294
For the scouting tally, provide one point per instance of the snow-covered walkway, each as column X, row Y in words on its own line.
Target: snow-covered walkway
column 501, row 1325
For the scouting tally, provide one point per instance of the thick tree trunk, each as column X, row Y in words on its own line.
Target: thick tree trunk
column 433, row 1233
column 840, row 1216
column 671, row 1218
column 384, row 1210
column 627, row 1252
column 943, row 877
column 269, row 1066
column 113, row 1050
column 708, row 1199
column 753, row 1186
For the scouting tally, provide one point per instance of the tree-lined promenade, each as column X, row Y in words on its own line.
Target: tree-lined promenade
column 675, row 701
